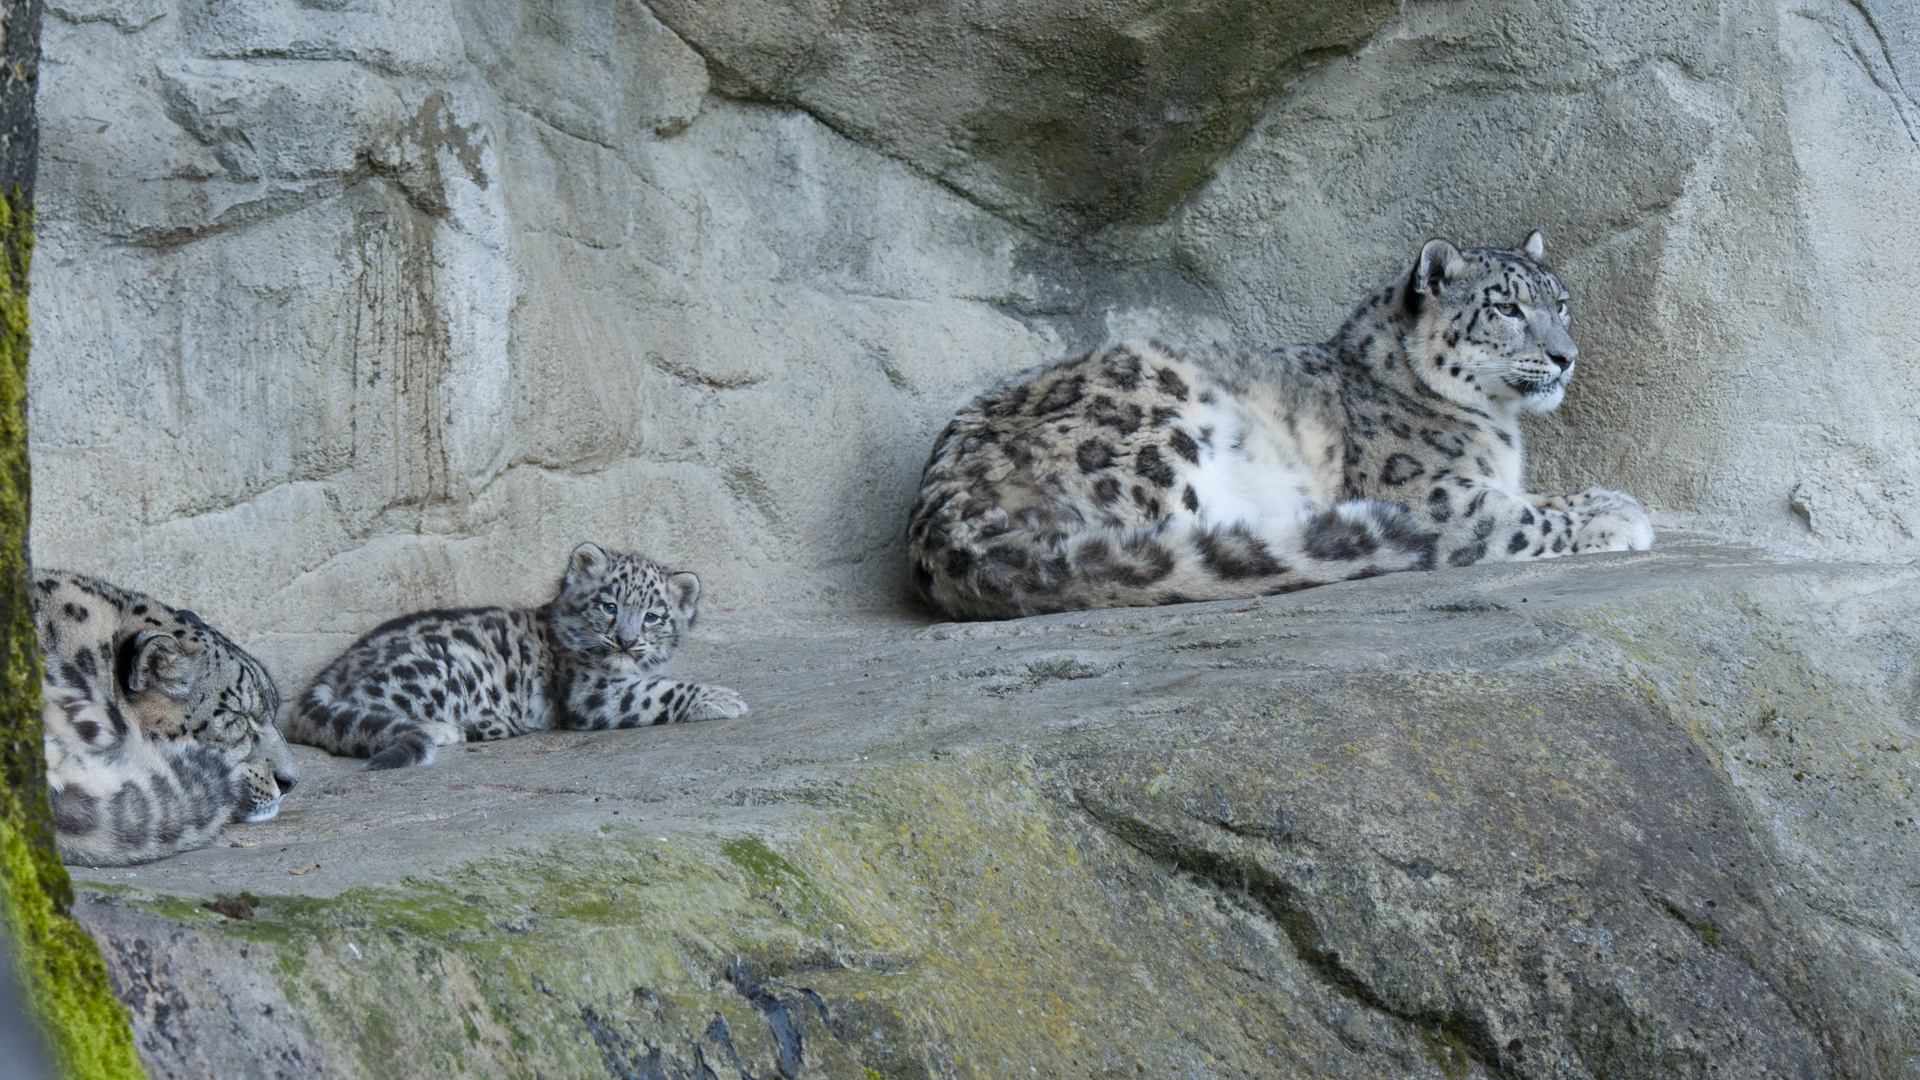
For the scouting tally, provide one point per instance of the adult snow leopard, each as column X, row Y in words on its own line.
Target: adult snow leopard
column 1152, row 474
column 589, row 659
column 158, row 729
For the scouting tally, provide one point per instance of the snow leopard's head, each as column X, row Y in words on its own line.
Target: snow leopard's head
column 623, row 609
column 231, row 698
column 1490, row 326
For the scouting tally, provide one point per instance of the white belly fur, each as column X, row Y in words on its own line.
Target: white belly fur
column 1249, row 472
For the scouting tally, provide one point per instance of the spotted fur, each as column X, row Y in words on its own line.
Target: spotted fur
column 1149, row 474
column 158, row 728
column 589, row 659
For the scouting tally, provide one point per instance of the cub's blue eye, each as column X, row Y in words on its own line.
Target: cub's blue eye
column 610, row 607
column 654, row 618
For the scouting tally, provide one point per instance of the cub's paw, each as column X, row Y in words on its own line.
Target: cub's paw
column 717, row 703
column 444, row 734
column 487, row 729
column 1615, row 521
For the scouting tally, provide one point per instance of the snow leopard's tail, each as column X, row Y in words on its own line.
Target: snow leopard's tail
column 972, row 569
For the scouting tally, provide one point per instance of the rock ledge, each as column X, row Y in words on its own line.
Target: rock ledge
column 1622, row 816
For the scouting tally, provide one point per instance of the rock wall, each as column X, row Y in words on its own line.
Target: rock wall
column 1727, row 188
column 350, row 307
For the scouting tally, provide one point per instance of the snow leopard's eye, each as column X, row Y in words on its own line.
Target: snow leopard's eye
column 1511, row 311
column 654, row 618
column 610, row 607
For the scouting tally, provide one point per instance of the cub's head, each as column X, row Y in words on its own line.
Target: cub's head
column 622, row 609
column 1491, row 326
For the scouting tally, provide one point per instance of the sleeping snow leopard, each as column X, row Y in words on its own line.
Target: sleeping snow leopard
column 158, row 728
column 589, row 659
column 1153, row 474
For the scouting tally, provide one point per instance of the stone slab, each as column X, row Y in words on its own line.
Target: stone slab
column 1639, row 815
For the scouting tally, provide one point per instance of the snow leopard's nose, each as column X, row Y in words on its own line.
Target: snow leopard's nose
column 1563, row 360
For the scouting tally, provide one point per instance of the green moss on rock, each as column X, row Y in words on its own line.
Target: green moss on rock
column 57, row 964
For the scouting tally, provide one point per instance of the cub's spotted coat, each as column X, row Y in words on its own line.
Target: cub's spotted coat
column 158, row 728
column 1151, row 474
column 589, row 659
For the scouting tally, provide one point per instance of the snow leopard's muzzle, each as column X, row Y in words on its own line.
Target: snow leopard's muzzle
column 1541, row 380
column 1541, row 384
column 1535, row 384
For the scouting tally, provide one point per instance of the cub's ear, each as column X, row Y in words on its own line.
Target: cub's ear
column 1439, row 262
column 1534, row 245
column 683, row 592
column 587, row 561
column 160, row 661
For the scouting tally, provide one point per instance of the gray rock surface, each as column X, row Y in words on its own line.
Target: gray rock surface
column 348, row 308
column 1726, row 187
column 1616, row 816
column 346, row 311
column 1064, row 115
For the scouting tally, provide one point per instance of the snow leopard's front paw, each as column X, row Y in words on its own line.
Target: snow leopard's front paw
column 717, row 703
column 1612, row 521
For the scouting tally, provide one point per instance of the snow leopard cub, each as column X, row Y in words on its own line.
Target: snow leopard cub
column 1154, row 474
column 589, row 659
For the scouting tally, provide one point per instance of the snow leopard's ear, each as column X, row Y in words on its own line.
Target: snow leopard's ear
column 683, row 593
column 1439, row 262
column 1534, row 245
column 587, row 561
column 159, row 661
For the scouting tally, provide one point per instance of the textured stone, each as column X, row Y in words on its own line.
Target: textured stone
column 51, row 975
column 1617, row 816
column 351, row 308
column 385, row 326
column 1716, row 182
column 1064, row 115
